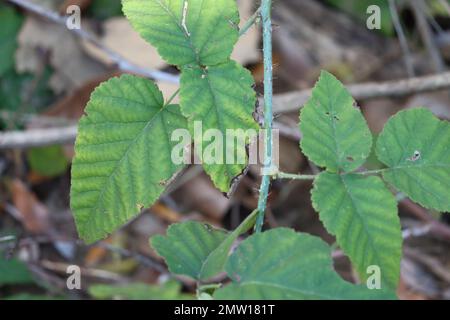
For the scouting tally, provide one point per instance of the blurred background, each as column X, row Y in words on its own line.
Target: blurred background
column 48, row 72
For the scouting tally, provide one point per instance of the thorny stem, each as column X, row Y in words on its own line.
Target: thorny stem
column 282, row 175
column 266, row 6
column 369, row 172
column 250, row 22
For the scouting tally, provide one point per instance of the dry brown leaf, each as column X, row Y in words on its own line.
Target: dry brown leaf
column 32, row 213
column 119, row 36
column 200, row 195
column 71, row 65
column 165, row 213
column 72, row 106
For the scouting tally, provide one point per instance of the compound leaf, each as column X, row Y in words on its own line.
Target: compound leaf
column 415, row 146
column 221, row 98
column 335, row 134
column 199, row 32
column 123, row 154
column 283, row 264
column 196, row 249
column 362, row 213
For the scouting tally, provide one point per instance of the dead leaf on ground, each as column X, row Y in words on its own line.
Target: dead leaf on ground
column 120, row 37
column 72, row 67
column 200, row 195
column 33, row 214
column 72, row 106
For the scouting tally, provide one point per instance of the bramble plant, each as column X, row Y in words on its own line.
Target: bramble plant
column 123, row 164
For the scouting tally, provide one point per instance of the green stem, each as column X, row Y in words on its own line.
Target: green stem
column 172, row 97
column 369, row 172
column 282, row 175
column 266, row 6
column 250, row 22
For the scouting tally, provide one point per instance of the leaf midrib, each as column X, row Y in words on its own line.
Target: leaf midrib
column 119, row 162
column 360, row 216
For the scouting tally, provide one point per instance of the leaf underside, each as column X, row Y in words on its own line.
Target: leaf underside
column 415, row 146
column 283, row 264
column 335, row 134
column 122, row 154
column 362, row 213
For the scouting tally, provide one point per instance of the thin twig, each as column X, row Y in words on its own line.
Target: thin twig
column 282, row 175
column 419, row 9
column 292, row 101
column 266, row 8
column 282, row 103
column 250, row 22
column 122, row 63
column 402, row 39
column 37, row 137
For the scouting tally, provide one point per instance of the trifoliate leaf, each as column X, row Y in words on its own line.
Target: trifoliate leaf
column 123, row 154
column 362, row 213
column 335, row 134
column 415, row 146
column 11, row 23
column 196, row 249
column 199, row 32
column 283, row 264
column 219, row 98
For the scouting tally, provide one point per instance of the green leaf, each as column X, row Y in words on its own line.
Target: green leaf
column 198, row 32
column 14, row 272
column 170, row 290
column 415, row 145
column 196, row 249
column 123, row 154
column 283, row 264
column 222, row 98
column 362, row 213
column 48, row 161
column 11, row 23
column 335, row 134
column 104, row 9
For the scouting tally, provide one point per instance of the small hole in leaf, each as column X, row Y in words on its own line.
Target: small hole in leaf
column 336, row 117
column 416, row 156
